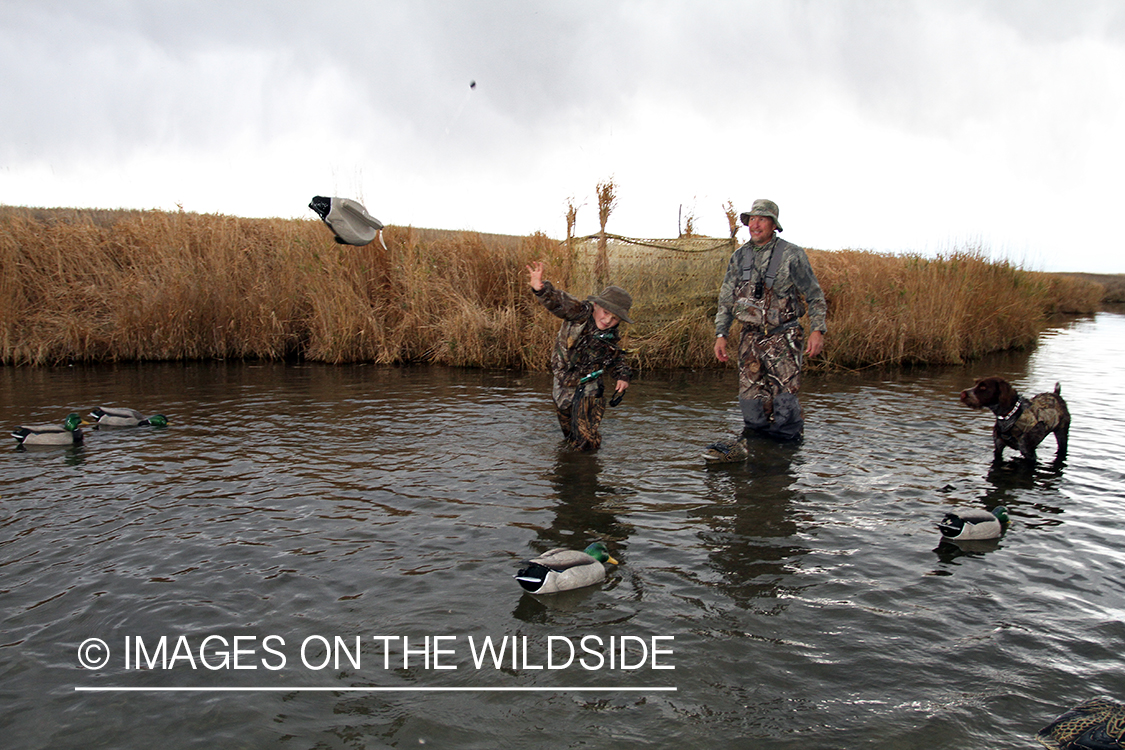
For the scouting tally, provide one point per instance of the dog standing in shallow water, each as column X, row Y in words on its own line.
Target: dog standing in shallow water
column 1020, row 423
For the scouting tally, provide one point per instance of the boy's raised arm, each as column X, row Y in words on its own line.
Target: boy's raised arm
column 535, row 275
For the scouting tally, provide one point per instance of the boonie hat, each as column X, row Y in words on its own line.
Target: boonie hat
column 615, row 300
column 762, row 207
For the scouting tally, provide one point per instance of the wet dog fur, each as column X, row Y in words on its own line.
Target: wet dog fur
column 1044, row 413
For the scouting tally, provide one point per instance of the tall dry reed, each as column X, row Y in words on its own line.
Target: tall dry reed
column 887, row 309
column 732, row 218
column 156, row 285
column 607, row 201
column 140, row 285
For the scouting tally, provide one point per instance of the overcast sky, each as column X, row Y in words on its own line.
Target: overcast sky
column 892, row 126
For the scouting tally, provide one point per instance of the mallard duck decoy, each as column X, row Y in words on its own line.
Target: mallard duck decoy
column 1096, row 724
column 348, row 220
column 564, row 569
column 727, row 451
column 68, row 433
column 113, row 416
column 974, row 523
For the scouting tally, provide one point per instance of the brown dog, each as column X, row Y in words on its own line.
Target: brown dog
column 1020, row 423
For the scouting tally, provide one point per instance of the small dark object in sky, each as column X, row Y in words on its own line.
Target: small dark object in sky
column 472, row 84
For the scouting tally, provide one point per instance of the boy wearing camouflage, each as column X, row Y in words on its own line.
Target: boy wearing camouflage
column 588, row 345
column 768, row 286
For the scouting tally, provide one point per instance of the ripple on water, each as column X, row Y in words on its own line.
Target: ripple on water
column 806, row 590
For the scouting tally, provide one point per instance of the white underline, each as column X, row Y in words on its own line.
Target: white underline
column 81, row 689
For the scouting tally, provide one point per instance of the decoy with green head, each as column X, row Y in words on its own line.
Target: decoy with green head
column 563, row 569
column 115, row 416
column 68, row 433
column 974, row 523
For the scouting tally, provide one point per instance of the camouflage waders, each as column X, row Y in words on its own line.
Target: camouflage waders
column 770, row 355
column 580, row 420
column 767, row 288
column 769, row 377
column 582, row 355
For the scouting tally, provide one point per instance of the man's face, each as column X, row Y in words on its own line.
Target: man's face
column 761, row 229
column 603, row 318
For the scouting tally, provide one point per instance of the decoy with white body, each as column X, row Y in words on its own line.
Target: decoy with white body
column 348, row 220
column 974, row 523
column 68, row 433
column 1095, row 724
column 116, row 416
column 563, row 569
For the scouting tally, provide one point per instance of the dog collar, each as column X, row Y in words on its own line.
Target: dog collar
column 1006, row 421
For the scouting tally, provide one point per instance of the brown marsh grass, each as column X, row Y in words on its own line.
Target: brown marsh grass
column 150, row 285
column 888, row 309
column 155, row 285
column 1112, row 285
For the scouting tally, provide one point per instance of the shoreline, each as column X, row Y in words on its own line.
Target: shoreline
column 81, row 286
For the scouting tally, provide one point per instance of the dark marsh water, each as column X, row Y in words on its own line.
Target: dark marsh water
column 802, row 599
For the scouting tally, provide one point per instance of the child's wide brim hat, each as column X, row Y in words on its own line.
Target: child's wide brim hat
column 616, row 300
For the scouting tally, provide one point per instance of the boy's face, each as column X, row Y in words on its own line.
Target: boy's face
column 603, row 318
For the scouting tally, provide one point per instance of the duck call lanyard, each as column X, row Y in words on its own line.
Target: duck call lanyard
column 605, row 338
column 763, row 289
column 771, row 270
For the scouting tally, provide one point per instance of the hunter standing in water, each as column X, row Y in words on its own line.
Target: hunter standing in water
column 768, row 286
column 587, row 347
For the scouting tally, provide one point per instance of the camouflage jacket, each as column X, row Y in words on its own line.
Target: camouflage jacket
column 580, row 348
column 794, row 288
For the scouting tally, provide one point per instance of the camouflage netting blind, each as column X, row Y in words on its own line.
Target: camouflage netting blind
column 666, row 277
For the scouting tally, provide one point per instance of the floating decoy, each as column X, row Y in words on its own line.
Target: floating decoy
column 348, row 220
column 114, row 416
column 974, row 523
column 1096, row 724
column 564, row 569
column 727, row 451
column 68, row 433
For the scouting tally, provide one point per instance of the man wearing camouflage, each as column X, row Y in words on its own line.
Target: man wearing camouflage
column 768, row 286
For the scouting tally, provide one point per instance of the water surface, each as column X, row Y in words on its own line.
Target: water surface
column 804, row 596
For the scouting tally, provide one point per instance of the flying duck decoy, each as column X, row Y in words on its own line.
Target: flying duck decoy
column 974, row 523
column 113, row 416
column 348, row 220
column 564, row 569
column 68, row 433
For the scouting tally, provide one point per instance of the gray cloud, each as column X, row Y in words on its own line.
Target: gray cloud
column 1003, row 101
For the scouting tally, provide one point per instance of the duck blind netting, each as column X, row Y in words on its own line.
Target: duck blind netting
column 666, row 278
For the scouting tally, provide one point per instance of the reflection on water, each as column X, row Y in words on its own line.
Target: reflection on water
column 807, row 592
column 584, row 507
column 751, row 543
column 1017, row 483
